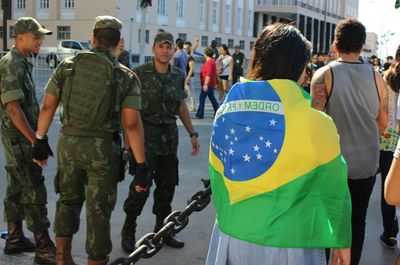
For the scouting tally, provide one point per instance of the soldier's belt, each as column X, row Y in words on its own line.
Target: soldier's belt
column 85, row 133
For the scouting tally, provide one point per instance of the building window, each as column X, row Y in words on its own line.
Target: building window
column 147, row 37
column 138, row 4
column 21, row 4
column 69, row 3
column 11, row 32
column 251, row 45
column 63, row 32
column 227, row 15
column 44, row 4
column 241, row 44
column 230, row 43
column 182, row 36
column 179, row 8
column 161, row 9
column 218, row 40
column 202, row 15
column 215, row 12
column 204, row 41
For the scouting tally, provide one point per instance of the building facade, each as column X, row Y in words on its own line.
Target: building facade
column 227, row 21
column 316, row 19
column 371, row 45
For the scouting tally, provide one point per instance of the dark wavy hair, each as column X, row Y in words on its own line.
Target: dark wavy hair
column 280, row 52
column 225, row 47
column 350, row 36
column 392, row 75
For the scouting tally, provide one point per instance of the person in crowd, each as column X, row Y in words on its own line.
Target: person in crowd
column 89, row 146
column 163, row 99
column 239, row 60
column 389, row 61
column 377, row 65
column 388, row 141
column 189, row 88
column 256, row 210
column 208, row 76
column 26, row 195
column 180, row 56
column 224, row 67
column 122, row 54
column 320, row 60
column 354, row 95
column 214, row 46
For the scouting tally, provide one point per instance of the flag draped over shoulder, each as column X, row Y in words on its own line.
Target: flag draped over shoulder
column 278, row 178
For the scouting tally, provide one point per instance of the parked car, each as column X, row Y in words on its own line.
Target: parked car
column 54, row 55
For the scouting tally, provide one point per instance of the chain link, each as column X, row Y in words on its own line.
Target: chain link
column 150, row 244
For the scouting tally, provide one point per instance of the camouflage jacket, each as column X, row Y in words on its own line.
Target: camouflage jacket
column 16, row 83
column 162, row 95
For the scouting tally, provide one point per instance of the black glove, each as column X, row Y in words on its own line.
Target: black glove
column 41, row 149
column 142, row 175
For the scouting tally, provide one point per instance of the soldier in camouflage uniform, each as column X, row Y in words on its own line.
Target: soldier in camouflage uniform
column 26, row 195
column 163, row 95
column 89, row 160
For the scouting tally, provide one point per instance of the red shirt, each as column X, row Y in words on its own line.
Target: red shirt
column 208, row 69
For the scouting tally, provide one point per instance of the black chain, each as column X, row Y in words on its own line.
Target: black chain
column 151, row 243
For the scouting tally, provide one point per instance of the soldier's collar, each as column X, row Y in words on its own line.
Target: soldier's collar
column 171, row 69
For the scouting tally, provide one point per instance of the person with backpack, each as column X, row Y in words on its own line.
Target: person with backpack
column 97, row 94
column 26, row 192
column 163, row 99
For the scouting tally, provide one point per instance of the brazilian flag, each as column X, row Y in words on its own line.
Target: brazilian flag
column 278, row 177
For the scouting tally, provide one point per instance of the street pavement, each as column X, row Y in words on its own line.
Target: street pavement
column 197, row 234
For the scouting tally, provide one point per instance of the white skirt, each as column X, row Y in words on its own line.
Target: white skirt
column 226, row 250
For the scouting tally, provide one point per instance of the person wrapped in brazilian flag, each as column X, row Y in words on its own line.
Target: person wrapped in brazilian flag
column 279, row 181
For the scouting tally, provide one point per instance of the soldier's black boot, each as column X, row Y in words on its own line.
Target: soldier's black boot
column 171, row 240
column 16, row 241
column 128, row 240
column 45, row 249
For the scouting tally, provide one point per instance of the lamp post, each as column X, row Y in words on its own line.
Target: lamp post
column 142, row 42
column 384, row 39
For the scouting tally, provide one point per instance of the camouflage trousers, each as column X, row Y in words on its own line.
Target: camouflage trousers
column 87, row 171
column 165, row 168
column 26, row 195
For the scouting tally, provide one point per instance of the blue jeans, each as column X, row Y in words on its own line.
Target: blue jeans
column 202, row 100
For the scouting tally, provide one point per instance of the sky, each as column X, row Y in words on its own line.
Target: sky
column 381, row 17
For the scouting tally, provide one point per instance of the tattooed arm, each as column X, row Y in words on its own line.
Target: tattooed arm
column 382, row 118
column 321, row 85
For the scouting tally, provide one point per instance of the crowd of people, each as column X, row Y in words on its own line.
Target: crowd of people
column 320, row 185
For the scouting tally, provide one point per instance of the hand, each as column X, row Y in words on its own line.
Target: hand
column 41, row 149
column 205, row 88
column 197, row 38
column 142, row 177
column 195, row 146
column 341, row 256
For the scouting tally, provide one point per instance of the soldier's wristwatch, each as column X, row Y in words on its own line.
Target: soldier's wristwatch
column 195, row 134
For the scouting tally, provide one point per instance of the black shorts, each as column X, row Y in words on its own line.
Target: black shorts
column 224, row 77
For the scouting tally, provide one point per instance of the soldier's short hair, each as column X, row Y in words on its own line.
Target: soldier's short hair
column 107, row 38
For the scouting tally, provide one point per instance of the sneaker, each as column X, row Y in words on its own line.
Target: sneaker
column 388, row 242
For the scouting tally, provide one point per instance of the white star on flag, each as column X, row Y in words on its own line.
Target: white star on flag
column 261, row 138
column 256, row 148
column 226, row 136
column 275, row 151
column 268, row 144
column 231, row 143
column 247, row 128
column 231, row 151
column 272, row 122
column 223, row 119
column 232, row 131
column 259, row 156
column 246, row 158
column 236, row 138
column 233, row 171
